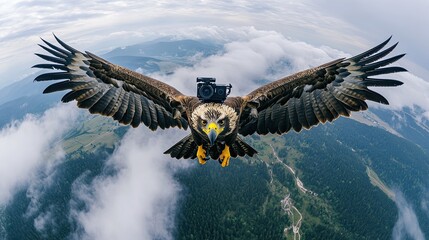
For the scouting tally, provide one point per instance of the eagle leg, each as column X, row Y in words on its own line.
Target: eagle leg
column 201, row 155
column 225, row 156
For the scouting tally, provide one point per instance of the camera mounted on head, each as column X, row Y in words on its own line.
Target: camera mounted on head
column 209, row 91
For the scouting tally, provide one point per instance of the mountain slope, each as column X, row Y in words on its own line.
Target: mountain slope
column 351, row 167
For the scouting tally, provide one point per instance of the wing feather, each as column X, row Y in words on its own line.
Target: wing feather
column 146, row 117
column 320, row 94
column 317, row 110
column 301, row 109
column 129, row 113
column 309, row 110
column 111, row 90
column 137, row 118
column 284, row 121
column 122, row 108
column 293, row 115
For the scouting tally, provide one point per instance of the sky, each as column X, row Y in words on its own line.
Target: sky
column 102, row 25
column 257, row 35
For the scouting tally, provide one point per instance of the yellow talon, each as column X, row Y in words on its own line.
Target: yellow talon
column 225, row 156
column 201, row 154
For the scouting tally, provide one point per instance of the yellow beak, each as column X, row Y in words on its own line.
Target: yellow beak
column 213, row 130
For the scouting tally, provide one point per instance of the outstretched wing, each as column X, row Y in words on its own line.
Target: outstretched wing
column 109, row 89
column 319, row 94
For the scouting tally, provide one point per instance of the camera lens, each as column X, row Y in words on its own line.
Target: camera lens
column 206, row 91
column 220, row 91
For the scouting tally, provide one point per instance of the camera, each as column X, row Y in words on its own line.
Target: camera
column 208, row 91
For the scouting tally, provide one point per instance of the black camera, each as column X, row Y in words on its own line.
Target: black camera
column 208, row 91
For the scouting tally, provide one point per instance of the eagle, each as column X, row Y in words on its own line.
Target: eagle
column 295, row 102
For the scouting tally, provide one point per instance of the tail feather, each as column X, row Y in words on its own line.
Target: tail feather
column 187, row 148
column 248, row 150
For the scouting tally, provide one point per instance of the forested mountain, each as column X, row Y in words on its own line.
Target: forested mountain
column 335, row 181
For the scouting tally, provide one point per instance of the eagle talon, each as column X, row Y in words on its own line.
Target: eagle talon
column 225, row 156
column 201, row 155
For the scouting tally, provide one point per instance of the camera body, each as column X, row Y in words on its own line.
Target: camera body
column 209, row 91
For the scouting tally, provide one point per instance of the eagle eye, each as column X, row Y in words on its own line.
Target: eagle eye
column 221, row 122
column 204, row 123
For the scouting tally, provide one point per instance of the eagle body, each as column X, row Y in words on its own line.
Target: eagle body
column 225, row 117
column 299, row 101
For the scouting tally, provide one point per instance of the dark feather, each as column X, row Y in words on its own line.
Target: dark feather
column 331, row 112
column 146, row 118
column 378, row 82
column 88, row 103
column 268, row 116
column 309, row 111
column 184, row 148
column 109, row 89
column 317, row 111
column 373, row 96
column 111, row 108
column 89, row 93
column 65, row 45
column 377, row 56
column 323, row 106
column 64, row 52
column 284, row 122
column 348, row 102
column 378, row 64
column 52, row 59
column 338, row 106
column 293, row 115
column 61, row 86
column 261, row 123
column 385, row 70
column 138, row 111
column 103, row 102
column 153, row 116
column 183, row 123
column 276, row 113
column 129, row 114
column 55, row 76
column 239, row 149
column 300, row 110
column 53, row 52
column 246, row 147
column 51, row 66
column 371, row 51
column 233, row 150
column 70, row 96
column 160, row 117
column 122, row 107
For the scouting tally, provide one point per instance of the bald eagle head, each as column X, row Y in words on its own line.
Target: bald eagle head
column 214, row 121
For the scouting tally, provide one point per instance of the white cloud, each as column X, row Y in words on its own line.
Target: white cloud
column 258, row 36
column 44, row 221
column 407, row 224
column 106, row 24
column 139, row 201
column 414, row 92
column 28, row 144
column 251, row 56
column 378, row 19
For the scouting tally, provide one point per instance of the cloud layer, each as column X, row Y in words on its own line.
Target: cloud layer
column 101, row 25
column 407, row 224
column 137, row 202
column 252, row 55
column 29, row 144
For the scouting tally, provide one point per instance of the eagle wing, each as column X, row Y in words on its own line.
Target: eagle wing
column 111, row 90
column 319, row 94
